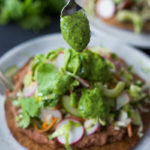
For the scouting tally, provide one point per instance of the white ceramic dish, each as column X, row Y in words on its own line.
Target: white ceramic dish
column 20, row 54
column 99, row 27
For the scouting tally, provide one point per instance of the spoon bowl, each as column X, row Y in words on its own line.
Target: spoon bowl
column 70, row 8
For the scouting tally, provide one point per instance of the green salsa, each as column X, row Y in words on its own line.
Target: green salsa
column 75, row 30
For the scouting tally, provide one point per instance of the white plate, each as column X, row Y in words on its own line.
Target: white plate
column 99, row 27
column 20, row 54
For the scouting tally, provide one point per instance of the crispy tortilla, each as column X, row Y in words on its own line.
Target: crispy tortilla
column 32, row 140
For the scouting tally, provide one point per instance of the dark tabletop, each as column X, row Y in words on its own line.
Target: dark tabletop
column 12, row 35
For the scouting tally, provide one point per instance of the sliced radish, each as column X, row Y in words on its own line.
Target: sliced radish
column 48, row 114
column 59, row 61
column 30, row 90
column 76, row 132
column 105, row 8
column 122, row 100
column 91, row 127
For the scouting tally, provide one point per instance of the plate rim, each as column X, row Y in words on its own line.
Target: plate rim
column 17, row 48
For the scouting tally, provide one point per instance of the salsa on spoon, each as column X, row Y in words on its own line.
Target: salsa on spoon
column 75, row 26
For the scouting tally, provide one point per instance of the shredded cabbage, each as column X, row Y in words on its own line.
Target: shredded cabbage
column 122, row 100
column 136, row 93
column 123, row 119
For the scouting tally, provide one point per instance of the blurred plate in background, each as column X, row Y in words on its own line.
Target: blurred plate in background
column 99, row 27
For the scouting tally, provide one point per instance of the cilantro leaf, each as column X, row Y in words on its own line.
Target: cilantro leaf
column 30, row 106
column 50, row 80
column 46, row 77
column 24, row 121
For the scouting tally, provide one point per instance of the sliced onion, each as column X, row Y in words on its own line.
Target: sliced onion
column 105, row 8
column 122, row 100
column 30, row 90
column 83, row 82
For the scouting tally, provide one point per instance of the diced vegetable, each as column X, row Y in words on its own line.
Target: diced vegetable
column 136, row 118
column 73, row 99
column 68, row 108
column 136, row 93
column 112, row 93
column 123, row 120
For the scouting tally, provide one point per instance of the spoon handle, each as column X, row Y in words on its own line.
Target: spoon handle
column 5, row 81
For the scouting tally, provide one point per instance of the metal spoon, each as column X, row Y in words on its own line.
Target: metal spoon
column 5, row 81
column 70, row 8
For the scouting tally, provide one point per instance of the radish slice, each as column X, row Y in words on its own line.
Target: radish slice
column 91, row 127
column 59, row 61
column 48, row 113
column 105, row 8
column 122, row 100
column 76, row 132
column 30, row 90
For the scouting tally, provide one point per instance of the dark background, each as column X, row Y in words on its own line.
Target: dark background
column 12, row 35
